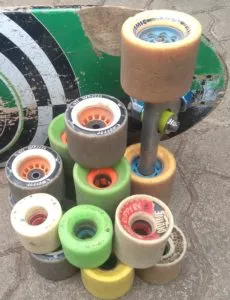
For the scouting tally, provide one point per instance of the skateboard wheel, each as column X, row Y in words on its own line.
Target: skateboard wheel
column 96, row 123
column 35, row 169
column 11, row 200
column 158, row 54
column 86, row 234
column 35, row 219
column 104, row 188
column 112, row 280
column 143, row 225
column 58, row 141
column 159, row 183
column 53, row 266
column 169, row 266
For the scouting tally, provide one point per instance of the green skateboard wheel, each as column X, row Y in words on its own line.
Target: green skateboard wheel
column 35, row 169
column 58, row 141
column 86, row 234
column 104, row 188
column 96, row 127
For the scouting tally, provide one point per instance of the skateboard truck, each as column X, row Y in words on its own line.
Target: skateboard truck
column 155, row 124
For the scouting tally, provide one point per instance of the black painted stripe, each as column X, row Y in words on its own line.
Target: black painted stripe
column 27, row 68
column 51, row 48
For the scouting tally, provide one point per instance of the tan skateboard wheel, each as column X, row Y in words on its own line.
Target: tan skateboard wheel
column 35, row 219
column 112, row 280
column 169, row 267
column 158, row 54
column 53, row 266
column 35, row 169
column 96, row 127
column 143, row 225
column 159, row 183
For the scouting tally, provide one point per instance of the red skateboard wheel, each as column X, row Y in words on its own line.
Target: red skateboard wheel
column 143, row 225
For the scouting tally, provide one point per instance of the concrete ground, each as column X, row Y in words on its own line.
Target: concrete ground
column 200, row 200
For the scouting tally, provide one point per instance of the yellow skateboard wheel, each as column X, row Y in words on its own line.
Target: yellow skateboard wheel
column 110, row 281
column 169, row 267
column 143, row 225
column 159, row 183
column 35, row 219
column 158, row 54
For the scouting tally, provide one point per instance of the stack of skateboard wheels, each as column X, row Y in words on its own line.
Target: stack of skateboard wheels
column 84, row 203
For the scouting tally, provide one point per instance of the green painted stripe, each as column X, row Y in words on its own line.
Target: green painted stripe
column 10, row 99
column 101, row 74
column 94, row 73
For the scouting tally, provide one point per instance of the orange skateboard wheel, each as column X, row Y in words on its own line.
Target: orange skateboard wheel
column 35, row 169
column 158, row 54
column 169, row 267
column 159, row 184
column 96, row 127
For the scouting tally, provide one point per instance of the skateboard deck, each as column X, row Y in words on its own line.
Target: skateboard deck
column 51, row 56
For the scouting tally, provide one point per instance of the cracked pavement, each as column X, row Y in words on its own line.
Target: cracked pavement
column 200, row 200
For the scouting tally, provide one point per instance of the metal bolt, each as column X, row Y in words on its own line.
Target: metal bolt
column 172, row 125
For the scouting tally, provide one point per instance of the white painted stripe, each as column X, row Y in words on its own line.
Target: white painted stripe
column 37, row 56
column 45, row 113
column 18, row 81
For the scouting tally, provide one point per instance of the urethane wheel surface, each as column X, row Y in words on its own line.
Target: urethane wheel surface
column 158, row 54
column 52, row 266
column 86, row 234
column 96, row 127
column 35, row 219
column 58, row 141
column 169, row 267
column 159, row 183
column 35, row 169
column 143, row 225
column 104, row 188
column 112, row 280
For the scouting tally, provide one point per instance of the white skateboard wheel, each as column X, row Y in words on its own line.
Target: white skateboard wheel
column 35, row 169
column 96, row 127
column 35, row 219
column 112, row 280
column 158, row 184
column 143, row 225
column 52, row 266
column 169, row 267
column 158, row 54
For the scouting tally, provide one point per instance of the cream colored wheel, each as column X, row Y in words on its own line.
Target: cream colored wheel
column 170, row 264
column 143, row 225
column 35, row 219
column 158, row 54
column 160, row 183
